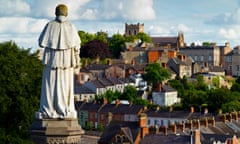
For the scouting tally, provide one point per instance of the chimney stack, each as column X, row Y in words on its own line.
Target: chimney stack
column 109, row 117
column 143, row 124
column 105, row 101
column 229, row 117
column 196, row 136
column 174, row 128
column 189, row 124
column 235, row 116
column 212, row 121
column 159, row 87
column 153, row 130
column 181, row 126
column 164, row 129
column 206, row 122
column 117, row 102
column 192, row 109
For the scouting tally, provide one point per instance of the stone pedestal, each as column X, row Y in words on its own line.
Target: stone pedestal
column 56, row 131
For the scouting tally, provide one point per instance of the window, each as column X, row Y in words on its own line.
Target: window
column 124, row 139
column 202, row 58
column 149, row 122
column 102, row 116
column 210, row 58
column 195, row 57
column 237, row 66
column 118, row 139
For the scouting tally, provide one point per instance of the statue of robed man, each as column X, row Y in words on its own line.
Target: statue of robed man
column 61, row 44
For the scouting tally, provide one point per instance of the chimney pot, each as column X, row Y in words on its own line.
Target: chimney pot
column 192, row 110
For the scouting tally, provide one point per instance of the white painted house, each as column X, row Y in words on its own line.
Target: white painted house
column 165, row 96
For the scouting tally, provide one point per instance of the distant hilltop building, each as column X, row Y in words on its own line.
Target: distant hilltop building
column 175, row 42
column 133, row 29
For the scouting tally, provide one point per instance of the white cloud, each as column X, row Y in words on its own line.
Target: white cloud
column 14, row 8
column 127, row 9
column 157, row 30
column 231, row 33
column 183, row 28
column 21, row 25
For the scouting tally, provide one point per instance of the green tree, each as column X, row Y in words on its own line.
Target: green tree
column 111, row 96
column 218, row 97
column 200, row 84
column 116, row 45
column 130, row 38
column 155, row 74
column 144, row 37
column 102, row 36
column 129, row 93
column 20, row 78
column 85, row 37
column 178, row 85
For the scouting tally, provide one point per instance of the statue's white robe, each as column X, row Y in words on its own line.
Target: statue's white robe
column 61, row 42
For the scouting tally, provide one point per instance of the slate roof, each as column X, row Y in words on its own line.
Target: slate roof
column 167, row 88
column 168, row 114
column 216, row 69
column 210, row 138
column 115, row 80
column 169, row 139
column 97, row 67
column 164, row 39
column 83, row 90
column 178, row 61
column 83, row 106
column 121, row 109
column 130, row 130
column 97, row 83
column 128, row 109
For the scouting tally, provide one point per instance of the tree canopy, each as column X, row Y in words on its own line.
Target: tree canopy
column 95, row 49
column 20, row 78
column 144, row 37
column 116, row 45
column 155, row 73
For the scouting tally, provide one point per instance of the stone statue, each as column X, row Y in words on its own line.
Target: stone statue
column 61, row 44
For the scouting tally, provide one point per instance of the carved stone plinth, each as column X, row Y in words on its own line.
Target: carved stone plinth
column 56, row 131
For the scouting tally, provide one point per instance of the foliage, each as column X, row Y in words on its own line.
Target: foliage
column 95, row 49
column 236, row 85
column 196, row 95
column 216, row 82
column 201, row 85
column 156, row 74
column 117, row 45
column 100, row 127
column 102, row 36
column 144, row 37
column 20, row 78
column 89, row 126
column 129, row 93
column 111, row 96
column 130, row 38
column 218, row 97
column 139, row 101
column 85, row 37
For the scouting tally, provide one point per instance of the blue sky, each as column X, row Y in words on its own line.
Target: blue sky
column 206, row 20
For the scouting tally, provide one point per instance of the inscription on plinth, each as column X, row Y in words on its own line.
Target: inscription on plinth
column 56, row 131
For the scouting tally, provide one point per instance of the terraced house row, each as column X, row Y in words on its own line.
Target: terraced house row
column 134, row 124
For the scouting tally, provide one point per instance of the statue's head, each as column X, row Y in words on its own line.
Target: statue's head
column 61, row 9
